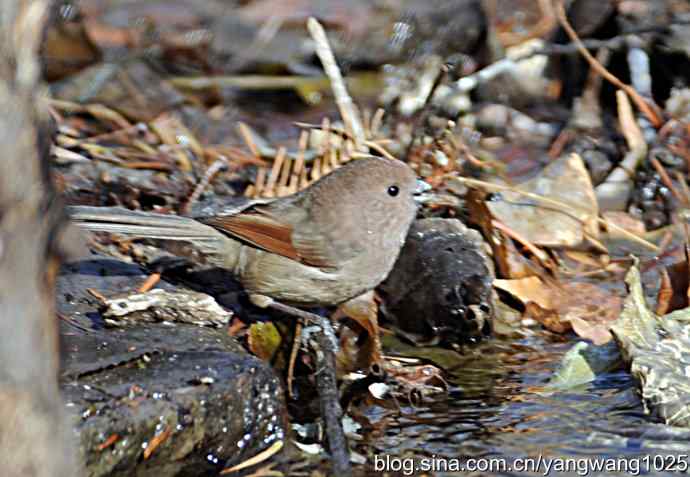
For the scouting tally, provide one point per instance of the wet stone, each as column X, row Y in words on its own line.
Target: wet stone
column 158, row 398
column 440, row 288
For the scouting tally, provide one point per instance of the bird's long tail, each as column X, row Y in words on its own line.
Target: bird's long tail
column 147, row 225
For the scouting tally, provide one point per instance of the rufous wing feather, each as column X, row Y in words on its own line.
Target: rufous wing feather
column 259, row 230
column 266, row 232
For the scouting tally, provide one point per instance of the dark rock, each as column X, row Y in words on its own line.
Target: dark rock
column 587, row 16
column 158, row 399
column 224, row 37
column 381, row 34
column 440, row 288
column 598, row 164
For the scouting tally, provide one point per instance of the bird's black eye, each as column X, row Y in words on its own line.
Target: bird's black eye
column 393, row 191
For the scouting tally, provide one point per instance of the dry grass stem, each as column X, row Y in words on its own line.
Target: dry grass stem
column 296, row 341
column 348, row 110
column 614, row 192
column 258, row 458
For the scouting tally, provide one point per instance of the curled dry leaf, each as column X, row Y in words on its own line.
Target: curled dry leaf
column 529, row 289
column 509, row 261
column 674, row 288
column 583, row 307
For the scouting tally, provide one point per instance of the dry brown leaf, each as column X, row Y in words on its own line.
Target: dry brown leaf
column 583, row 307
column 512, row 263
column 665, row 294
column 508, row 262
column 598, row 334
column 420, row 375
column 673, row 292
column 589, row 302
column 566, row 181
column 529, row 289
column 548, row 318
column 364, row 311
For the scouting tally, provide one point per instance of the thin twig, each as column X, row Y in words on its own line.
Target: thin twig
column 296, row 342
column 684, row 186
column 97, row 295
column 376, row 122
column 649, row 109
column 666, row 179
column 346, row 135
column 256, row 459
column 269, row 189
column 248, row 139
column 459, row 144
column 425, row 110
column 210, row 173
column 294, row 184
column 149, row 283
column 284, row 177
column 348, row 110
column 327, row 387
column 614, row 192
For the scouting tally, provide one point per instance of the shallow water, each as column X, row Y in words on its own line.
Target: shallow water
column 496, row 414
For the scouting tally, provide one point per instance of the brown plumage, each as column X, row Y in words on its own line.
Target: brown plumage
column 325, row 245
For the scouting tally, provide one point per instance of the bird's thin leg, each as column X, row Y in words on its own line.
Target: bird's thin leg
column 325, row 347
column 311, row 318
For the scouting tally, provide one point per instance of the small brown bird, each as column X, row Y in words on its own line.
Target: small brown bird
column 330, row 243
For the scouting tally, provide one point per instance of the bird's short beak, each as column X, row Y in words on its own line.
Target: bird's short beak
column 421, row 187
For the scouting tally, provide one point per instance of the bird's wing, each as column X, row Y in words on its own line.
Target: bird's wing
column 316, row 247
column 266, row 229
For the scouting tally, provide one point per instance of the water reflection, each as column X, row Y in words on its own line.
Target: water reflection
column 494, row 409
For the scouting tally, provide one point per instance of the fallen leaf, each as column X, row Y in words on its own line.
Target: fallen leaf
column 655, row 349
column 665, row 293
column 625, row 221
column 586, row 259
column 509, row 261
column 549, row 319
column 589, row 302
column 598, row 334
column 264, row 340
column 529, row 289
column 583, row 307
column 566, row 181
column 673, row 291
